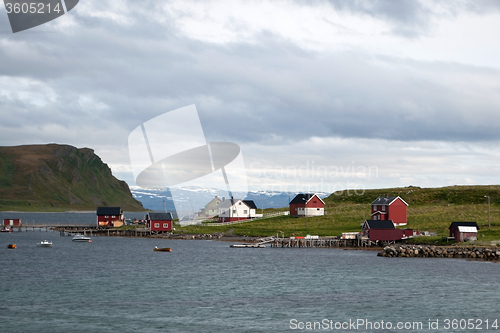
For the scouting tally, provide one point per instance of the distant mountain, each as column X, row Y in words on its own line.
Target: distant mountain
column 158, row 199
column 59, row 177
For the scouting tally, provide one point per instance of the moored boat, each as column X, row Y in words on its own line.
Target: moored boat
column 165, row 249
column 6, row 230
column 45, row 243
column 12, row 246
column 248, row 245
column 81, row 238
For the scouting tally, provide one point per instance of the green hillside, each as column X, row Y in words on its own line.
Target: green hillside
column 59, row 177
column 413, row 195
column 430, row 209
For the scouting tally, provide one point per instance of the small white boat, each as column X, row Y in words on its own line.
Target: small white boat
column 45, row 243
column 81, row 238
column 249, row 245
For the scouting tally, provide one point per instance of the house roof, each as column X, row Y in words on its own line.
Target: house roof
column 463, row 224
column 386, row 200
column 108, row 211
column 250, row 204
column 379, row 224
column 160, row 216
column 227, row 203
column 214, row 202
column 304, row 198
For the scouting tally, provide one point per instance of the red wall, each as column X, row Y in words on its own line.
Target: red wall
column 101, row 219
column 293, row 208
column 408, row 232
column 314, row 202
column 15, row 222
column 160, row 227
column 397, row 211
column 231, row 219
column 385, row 234
column 460, row 236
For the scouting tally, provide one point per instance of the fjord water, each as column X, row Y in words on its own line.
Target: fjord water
column 119, row 284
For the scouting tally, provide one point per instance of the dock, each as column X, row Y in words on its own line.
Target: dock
column 326, row 242
column 87, row 230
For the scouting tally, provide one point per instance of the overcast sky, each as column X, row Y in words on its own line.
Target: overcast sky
column 319, row 95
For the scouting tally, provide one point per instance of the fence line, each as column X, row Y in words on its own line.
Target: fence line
column 218, row 224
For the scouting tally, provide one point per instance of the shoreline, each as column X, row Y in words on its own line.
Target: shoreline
column 432, row 251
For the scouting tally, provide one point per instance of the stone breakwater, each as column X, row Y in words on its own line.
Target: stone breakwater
column 428, row 251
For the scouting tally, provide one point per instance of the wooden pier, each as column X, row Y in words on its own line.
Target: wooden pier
column 327, row 242
column 104, row 232
column 71, row 230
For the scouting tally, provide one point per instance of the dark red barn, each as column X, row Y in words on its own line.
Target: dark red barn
column 390, row 208
column 307, row 205
column 381, row 230
column 110, row 217
column 159, row 221
column 464, row 231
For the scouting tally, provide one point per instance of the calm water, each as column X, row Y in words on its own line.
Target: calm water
column 121, row 285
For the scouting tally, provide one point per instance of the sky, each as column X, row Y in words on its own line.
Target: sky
column 319, row 95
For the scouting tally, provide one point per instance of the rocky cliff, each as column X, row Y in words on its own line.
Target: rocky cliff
column 59, row 177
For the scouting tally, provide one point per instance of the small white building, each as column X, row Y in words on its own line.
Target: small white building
column 236, row 209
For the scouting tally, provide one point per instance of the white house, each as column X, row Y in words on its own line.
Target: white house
column 232, row 210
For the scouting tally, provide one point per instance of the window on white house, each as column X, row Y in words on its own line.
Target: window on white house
column 245, row 212
column 239, row 203
column 317, row 208
column 234, row 211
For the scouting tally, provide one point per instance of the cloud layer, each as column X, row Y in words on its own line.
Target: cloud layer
column 269, row 74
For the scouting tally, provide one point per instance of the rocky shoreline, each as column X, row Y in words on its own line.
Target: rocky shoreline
column 430, row 251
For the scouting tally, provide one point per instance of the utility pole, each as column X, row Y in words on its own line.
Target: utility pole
column 489, row 224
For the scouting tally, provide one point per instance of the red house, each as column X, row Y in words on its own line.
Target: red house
column 464, row 231
column 12, row 223
column 307, row 205
column 110, row 217
column 390, row 208
column 159, row 221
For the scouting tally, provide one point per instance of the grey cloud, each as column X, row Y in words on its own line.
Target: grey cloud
column 411, row 18
column 270, row 90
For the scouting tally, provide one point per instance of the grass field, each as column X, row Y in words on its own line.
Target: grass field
column 429, row 210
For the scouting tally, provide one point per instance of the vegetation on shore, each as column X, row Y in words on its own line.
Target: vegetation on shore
column 430, row 209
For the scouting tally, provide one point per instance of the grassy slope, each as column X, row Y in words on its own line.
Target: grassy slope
column 430, row 209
